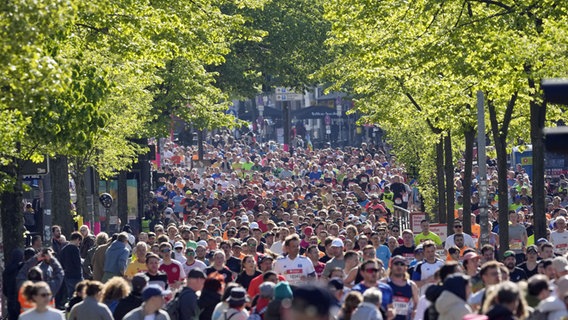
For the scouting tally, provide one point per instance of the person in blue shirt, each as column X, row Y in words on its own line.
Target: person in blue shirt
column 371, row 272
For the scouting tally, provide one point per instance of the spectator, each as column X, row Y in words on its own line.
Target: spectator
column 114, row 290
column 70, row 259
column 369, row 308
column 116, row 258
column 452, row 302
column 188, row 300
column 210, row 295
column 153, row 297
column 90, row 308
column 39, row 294
column 134, row 299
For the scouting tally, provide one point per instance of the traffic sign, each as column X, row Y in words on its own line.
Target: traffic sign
column 327, row 120
column 289, row 97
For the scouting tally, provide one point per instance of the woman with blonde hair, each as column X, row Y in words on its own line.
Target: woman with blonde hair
column 115, row 289
column 40, row 295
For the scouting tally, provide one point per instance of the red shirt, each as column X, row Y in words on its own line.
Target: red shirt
column 262, row 226
column 173, row 270
column 255, row 284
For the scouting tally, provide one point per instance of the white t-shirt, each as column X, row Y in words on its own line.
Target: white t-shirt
column 50, row 314
column 467, row 240
column 294, row 270
column 276, row 247
column 560, row 241
column 197, row 264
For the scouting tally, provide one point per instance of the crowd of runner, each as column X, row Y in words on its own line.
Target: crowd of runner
column 263, row 233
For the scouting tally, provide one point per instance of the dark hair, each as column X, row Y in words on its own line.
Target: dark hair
column 486, row 248
column 448, row 269
column 228, row 289
column 488, row 265
column 536, row 284
column 93, row 287
column 76, row 236
column 35, row 274
column 268, row 274
column 291, row 238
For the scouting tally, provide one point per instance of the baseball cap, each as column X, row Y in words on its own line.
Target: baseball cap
column 337, row 243
column 541, row 240
column 532, row 248
column 470, row 255
column 266, row 290
column 245, row 219
column 308, row 230
column 178, row 244
column 508, row 253
column 188, row 192
column 264, row 258
column 398, row 258
column 202, row 243
column 153, row 290
column 139, row 281
column 253, row 225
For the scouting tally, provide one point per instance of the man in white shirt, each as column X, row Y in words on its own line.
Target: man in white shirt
column 458, row 229
column 559, row 238
column 424, row 271
column 296, row 269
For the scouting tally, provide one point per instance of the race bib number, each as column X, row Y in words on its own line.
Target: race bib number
column 409, row 257
column 398, row 201
column 294, row 276
column 561, row 248
column 401, row 306
column 516, row 245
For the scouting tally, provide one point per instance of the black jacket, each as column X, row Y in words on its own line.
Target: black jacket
column 125, row 305
column 499, row 312
column 207, row 303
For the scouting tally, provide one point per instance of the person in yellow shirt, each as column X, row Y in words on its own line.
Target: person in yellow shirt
column 426, row 234
column 138, row 265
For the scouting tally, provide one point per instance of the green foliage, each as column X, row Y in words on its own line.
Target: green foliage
column 411, row 63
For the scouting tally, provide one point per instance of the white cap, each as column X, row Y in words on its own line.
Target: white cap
column 253, row 225
column 337, row 243
column 244, row 219
column 202, row 243
column 178, row 244
column 169, row 210
column 350, row 217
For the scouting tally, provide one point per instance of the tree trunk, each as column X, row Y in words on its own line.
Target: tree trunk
column 81, row 190
column 122, row 201
column 60, row 197
column 538, row 116
column 200, row 151
column 469, row 134
column 449, row 170
column 441, row 181
column 11, row 214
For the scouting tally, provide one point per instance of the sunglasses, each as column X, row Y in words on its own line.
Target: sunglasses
column 165, row 250
column 395, row 230
column 189, row 252
column 44, row 295
column 179, row 248
column 372, row 270
column 458, row 227
column 399, row 263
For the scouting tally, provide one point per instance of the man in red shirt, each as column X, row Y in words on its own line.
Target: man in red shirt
column 265, row 265
column 172, row 268
column 313, row 254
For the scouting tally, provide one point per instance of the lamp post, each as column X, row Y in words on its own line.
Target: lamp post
column 339, row 114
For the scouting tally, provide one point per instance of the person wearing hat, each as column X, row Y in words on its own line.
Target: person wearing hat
column 151, row 308
column 266, row 294
column 338, row 260
column 237, row 301
column 188, row 297
column 510, row 260
column 134, row 299
column 530, row 266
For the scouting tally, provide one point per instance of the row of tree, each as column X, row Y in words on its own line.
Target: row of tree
column 85, row 82
column 415, row 67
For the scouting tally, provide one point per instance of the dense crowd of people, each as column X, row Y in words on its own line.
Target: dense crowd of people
column 264, row 233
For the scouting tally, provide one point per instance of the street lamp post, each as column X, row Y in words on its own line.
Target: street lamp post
column 339, row 114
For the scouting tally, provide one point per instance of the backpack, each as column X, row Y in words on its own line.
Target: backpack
column 172, row 307
column 254, row 315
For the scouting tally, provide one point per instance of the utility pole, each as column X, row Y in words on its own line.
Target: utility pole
column 481, row 163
